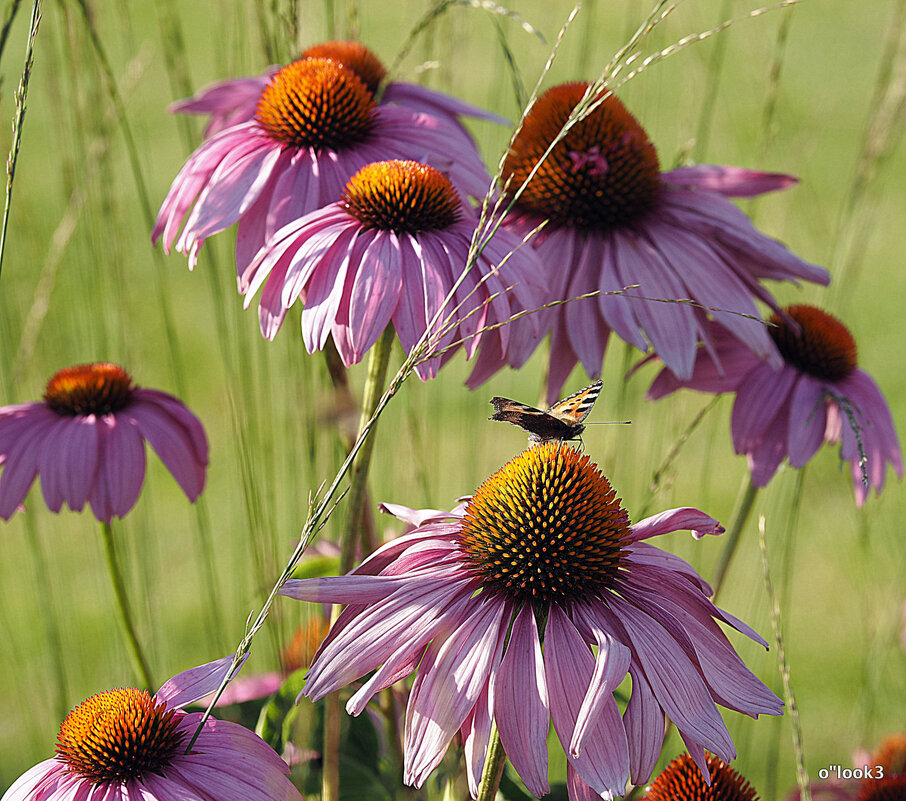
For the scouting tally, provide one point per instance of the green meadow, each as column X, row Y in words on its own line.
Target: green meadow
column 816, row 89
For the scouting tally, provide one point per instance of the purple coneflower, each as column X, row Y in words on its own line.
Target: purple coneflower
column 818, row 394
column 126, row 744
column 615, row 220
column 390, row 251
column 543, row 552
column 316, row 123
column 233, row 101
column 681, row 780
column 86, row 440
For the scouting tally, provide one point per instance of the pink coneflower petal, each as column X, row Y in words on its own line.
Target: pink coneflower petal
column 476, row 734
column 761, row 395
column 26, row 434
column 611, row 667
column 456, row 668
column 375, row 293
column 53, row 461
column 173, row 445
column 604, row 759
column 121, row 468
column 679, row 689
column 685, row 518
column 521, row 705
column 729, row 181
column 644, row 722
column 806, row 404
column 191, row 685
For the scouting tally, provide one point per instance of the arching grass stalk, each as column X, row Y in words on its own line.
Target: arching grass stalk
column 124, row 612
column 18, row 122
column 378, row 359
column 805, row 793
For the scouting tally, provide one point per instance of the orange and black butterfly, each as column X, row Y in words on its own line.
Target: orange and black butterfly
column 564, row 420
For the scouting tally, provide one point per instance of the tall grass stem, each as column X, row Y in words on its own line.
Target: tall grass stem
column 124, row 611
column 18, row 123
column 805, row 793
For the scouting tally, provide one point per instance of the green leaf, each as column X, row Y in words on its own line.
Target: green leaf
column 277, row 716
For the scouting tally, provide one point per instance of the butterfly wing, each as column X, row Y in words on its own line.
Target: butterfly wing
column 573, row 409
column 540, row 425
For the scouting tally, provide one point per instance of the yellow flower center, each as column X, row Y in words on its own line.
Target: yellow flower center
column 402, row 196
column 353, row 56
column 546, row 527
column 89, row 389
column 822, row 347
column 119, row 735
column 683, row 781
column 318, row 103
column 603, row 174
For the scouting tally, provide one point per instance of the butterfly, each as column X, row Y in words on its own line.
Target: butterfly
column 563, row 421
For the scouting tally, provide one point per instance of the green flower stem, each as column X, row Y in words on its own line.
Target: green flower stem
column 731, row 540
column 493, row 768
column 353, row 534
column 358, row 490
column 140, row 663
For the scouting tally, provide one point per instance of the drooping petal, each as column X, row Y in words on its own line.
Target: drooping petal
column 451, row 677
column 521, row 706
column 370, row 638
column 375, row 292
column 21, row 463
column 54, row 460
column 674, row 680
column 611, row 667
column 476, row 733
column 807, row 421
column 760, row 397
column 644, row 722
column 668, row 325
column 325, row 291
column 121, row 468
column 604, row 760
column 171, row 441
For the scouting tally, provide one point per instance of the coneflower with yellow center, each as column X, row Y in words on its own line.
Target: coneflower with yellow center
column 682, row 780
column 390, row 251
column 126, row 744
column 86, row 440
column 615, row 220
column 496, row 603
column 817, row 394
column 310, row 126
column 235, row 101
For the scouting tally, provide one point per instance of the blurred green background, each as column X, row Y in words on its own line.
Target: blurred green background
column 81, row 283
